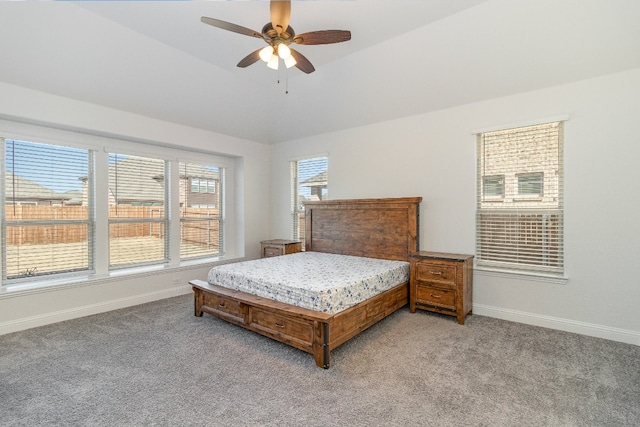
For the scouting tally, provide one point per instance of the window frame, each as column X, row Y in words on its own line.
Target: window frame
column 211, row 186
column 156, row 225
column 194, row 185
column 539, row 181
column 524, row 205
column 297, row 211
column 493, row 197
column 220, row 218
column 101, row 145
column 88, row 222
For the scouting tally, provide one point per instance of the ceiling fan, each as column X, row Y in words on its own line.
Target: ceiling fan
column 279, row 35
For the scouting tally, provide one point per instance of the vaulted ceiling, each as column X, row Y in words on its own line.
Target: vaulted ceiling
column 406, row 57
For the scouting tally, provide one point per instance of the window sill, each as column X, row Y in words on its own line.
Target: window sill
column 49, row 285
column 522, row 275
column 521, row 198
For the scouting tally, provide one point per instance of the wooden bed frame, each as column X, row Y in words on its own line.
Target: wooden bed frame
column 377, row 228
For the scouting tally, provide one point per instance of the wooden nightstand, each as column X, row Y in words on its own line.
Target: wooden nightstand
column 279, row 247
column 442, row 283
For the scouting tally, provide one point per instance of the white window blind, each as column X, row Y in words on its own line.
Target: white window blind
column 519, row 223
column 201, row 210
column 138, row 220
column 51, row 187
column 308, row 182
column 47, row 220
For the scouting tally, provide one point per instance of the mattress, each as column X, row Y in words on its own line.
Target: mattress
column 323, row 282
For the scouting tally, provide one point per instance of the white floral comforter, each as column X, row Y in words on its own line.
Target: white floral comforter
column 323, row 282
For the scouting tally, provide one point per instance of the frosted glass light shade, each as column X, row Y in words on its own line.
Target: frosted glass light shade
column 273, row 62
column 266, row 53
column 283, row 51
column 290, row 61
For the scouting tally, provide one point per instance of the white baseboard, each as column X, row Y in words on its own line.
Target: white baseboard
column 87, row 310
column 589, row 329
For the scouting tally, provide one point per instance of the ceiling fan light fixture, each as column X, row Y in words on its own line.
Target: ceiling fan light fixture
column 278, row 34
column 273, row 62
column 283, row 51
column 290, row 61
column 266, row 53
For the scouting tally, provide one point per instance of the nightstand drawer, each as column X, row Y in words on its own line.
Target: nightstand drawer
column 269, row 251
column 439, row 274
column 434, row 296
column 277, row 247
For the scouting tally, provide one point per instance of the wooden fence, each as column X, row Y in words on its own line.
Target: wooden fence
column 204, row 232
column 38, row 234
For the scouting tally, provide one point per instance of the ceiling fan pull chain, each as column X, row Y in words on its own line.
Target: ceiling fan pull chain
column 286, row 82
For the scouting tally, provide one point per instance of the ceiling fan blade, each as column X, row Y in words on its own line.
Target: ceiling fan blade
column 280, row 14
column 323, row 37
column 231, row 27
column 302, row 63
column 252, row 58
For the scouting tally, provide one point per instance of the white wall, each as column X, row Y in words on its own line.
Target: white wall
column 430, row 155
column 433, row 156
column 21, row 309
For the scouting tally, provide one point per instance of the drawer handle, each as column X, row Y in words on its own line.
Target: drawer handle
column 436, row 273
column 435, row 296
column 279, row 325
column 222, row 305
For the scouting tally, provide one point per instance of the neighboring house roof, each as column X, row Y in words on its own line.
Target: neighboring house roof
column 141, row 180
column 75, row 197
column 316, row 180
column 18, row 189
column 136, row 179
column 197, row 171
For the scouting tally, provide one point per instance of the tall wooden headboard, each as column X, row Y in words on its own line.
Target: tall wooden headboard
column 376, row 228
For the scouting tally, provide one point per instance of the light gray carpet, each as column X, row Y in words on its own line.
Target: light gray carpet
column 158, row 365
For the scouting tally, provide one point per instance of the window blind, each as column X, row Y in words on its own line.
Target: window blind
column 308, row 182
column 138, row 220
column 201, row 210
column 520, row 224
column 50, row 189
column 47, row 222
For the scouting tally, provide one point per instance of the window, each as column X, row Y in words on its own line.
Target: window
column 308, row 182
column 201, row 213
column 493, row 186
column 138, row 220
column 530, row 184
column 47, row 221
column 203, row 185
column 525, row 230
column 80, row 206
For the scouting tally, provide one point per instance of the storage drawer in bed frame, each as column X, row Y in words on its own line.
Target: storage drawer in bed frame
column 311, row 331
